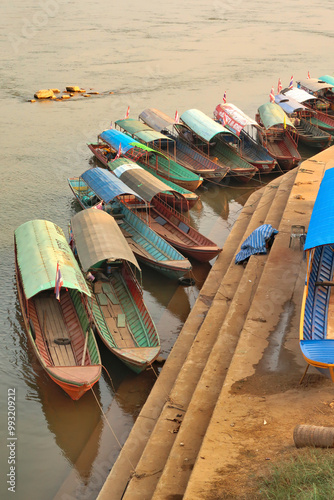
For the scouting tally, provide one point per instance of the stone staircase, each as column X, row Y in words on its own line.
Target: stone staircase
column 162, row 457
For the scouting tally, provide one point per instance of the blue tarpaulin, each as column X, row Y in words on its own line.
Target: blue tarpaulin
column 255, row 243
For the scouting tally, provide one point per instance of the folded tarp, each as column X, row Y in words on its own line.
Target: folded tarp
column 256, row 242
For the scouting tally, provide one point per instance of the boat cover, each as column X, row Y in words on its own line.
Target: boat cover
column 313, row 85
column 255, row 243
column 271, row 115
column 232, row 117
column 106, row 185
column 98, row 238
column 328, row 79
column 40, row 245
column 134, row 176
column 115, row 138
column 299, row 95
column 288, row 104
column 157, row 119
column 203, row 126
column 321, row 227
column 141, row 131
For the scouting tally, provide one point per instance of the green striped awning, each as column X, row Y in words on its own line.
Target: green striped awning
column 40, row 244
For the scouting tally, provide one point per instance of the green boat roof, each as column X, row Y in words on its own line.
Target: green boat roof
column 40, row 244
column 204, row 126
column 328, row 79
column 272, row 114
column 141, row 130
column 98, row 238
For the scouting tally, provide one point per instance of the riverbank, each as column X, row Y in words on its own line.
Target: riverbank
column 228, row 397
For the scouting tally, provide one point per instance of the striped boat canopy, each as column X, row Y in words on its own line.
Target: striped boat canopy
column 288, row 104
column 299, row 95
column 321, row 228
column 40, row 245
column 233, row 118
column 134, row 176
column 271, row 115
column 157, row 119
column 106, row 185
column 203, row 126
column 98, row 238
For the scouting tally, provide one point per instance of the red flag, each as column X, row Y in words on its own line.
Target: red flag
column 272, row 95
column 119, row 152
column 224, row 98
column 99, row 206
column 110, row 125
column 176, row 118
column 127, row 112
column 308, row 74
column 59, row 282
column 279, row 86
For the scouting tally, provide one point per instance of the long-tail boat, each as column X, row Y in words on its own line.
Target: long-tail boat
column 317, row 312
column 99, row 187
column 169, row 144
column 120, row 315
column 210, row 138
column 53, row 298
column 156, row 160
column 319, row 118
column 300, row 116
column 113, row 143
column 277, row 137
column 322, row 91
column 329, row 93
column 248, row 131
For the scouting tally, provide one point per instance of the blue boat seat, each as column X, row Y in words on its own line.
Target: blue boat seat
column 318, row 351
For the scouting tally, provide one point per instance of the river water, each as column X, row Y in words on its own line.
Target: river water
column 172, row 56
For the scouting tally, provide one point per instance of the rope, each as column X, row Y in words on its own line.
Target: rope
column 112, row 385
column 111, row 429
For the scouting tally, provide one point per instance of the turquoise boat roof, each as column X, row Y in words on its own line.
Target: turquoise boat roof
column 40, row 245
column 328, row 79
column 106, row 185
column 203, row 126
column 134, row 176
column 321, row 228
column 115, row 138
column 272, row 114
column 98, row 238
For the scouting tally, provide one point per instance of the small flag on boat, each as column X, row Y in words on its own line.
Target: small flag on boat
column 176, row 119
column 127, row 112
column 59, row 282
column 291, row 82
column 110, row 125
column 308, row 75
column 224, row 98
column 119, row 152
column 272, row 95
column 279, row 86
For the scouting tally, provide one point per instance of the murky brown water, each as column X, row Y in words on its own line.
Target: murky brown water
column 170, row 56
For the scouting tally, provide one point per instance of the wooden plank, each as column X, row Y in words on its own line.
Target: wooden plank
column 121, row 320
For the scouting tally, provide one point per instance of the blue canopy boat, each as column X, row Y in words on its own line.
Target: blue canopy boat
column 157, row 161
column 111, row 142
column 117, row 307
column 300, row 115
column 317, row 313
column 99, row 187
column 278, row 137
column 210, row 138
column 248, row 131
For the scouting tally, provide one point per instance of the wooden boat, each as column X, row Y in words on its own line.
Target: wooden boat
column 106, row 150
column 165, row 220
column 120, row 315
column 210, row 138
column 277, row 137
column 319, row 118
column 300, row 116
column 317, row 313
column 99, row 185
column 329, row 93
column 157, row 161
column 153, row 130
column 59, row 331
column 248, row 131
column 321, row 90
